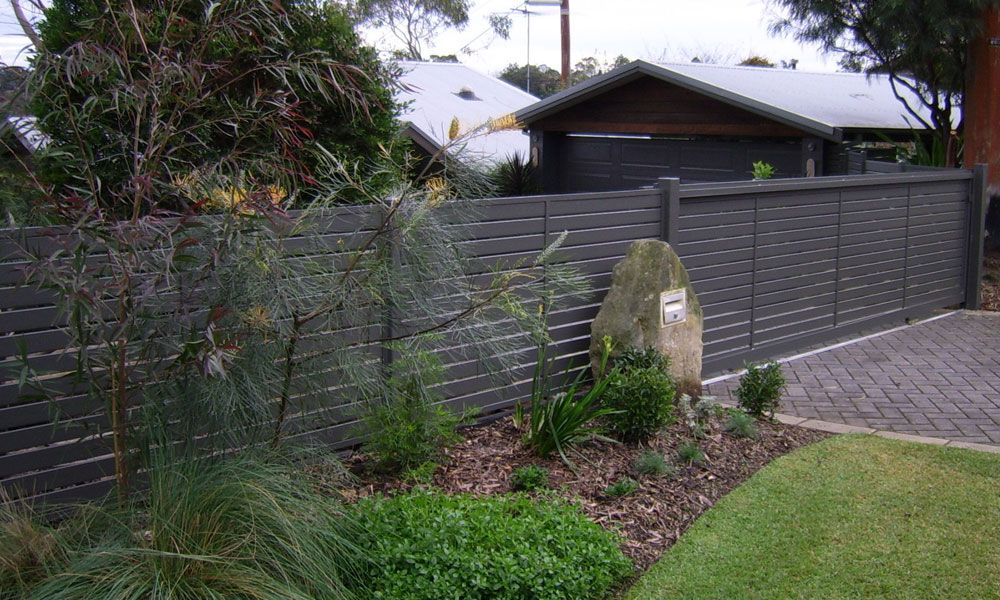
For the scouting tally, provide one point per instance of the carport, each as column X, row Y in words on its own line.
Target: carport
column 706, row 123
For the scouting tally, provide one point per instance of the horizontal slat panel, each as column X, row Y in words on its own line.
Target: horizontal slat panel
column 794, row 260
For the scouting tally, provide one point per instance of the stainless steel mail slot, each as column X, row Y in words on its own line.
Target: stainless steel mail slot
column 673, row 307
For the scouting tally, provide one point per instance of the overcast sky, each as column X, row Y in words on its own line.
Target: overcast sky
column 652, row 29
column 673, row 30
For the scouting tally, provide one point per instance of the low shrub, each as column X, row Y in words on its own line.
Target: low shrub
column 690, row 453
column 529, row 478
column 407, row 428
column 742, row 425
column 431, row 546
column 230, row 528
column 641, row 393
column 623, row 487
column 760, row 389
column 652, row 464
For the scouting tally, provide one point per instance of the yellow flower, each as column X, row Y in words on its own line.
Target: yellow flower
column 257, row 317
column 504, row 123
column 438, row 191
column 453, row 129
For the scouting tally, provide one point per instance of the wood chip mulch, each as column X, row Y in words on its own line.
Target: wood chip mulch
column 991, row 281
column 651, row 519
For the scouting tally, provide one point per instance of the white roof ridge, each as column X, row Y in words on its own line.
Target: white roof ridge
column 775, row 69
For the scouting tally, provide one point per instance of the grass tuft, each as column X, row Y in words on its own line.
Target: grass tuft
column 652, row 464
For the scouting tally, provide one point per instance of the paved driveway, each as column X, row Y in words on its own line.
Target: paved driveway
column 936, row 379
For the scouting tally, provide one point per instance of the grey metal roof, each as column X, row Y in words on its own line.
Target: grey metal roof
column 825, row 104
column 25, row 129
column 432, row 90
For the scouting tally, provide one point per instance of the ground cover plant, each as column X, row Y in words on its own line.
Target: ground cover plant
column 430, row 545
column 849, row 517
column 529, row 478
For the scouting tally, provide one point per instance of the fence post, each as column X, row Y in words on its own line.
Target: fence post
column 978, row 203
column 670, row 208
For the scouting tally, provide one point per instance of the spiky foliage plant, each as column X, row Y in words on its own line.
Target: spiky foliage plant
column 515, row 176
column 566, row 418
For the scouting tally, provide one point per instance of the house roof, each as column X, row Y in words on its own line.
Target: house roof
column 438, row 92
column 824, row 104
column 25, row 129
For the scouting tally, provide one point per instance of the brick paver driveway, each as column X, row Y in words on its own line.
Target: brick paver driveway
column 937, row 379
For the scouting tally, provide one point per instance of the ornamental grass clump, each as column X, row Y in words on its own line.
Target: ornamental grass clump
column 428, row 546
column 242, row 527
column 652, row 464
column 623, row 487
column 641, row 393
column 742, row 425
column 760, row 389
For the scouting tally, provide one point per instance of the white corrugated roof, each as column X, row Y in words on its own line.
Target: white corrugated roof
column 433, row 96
column 25, row 129
column 843, row 100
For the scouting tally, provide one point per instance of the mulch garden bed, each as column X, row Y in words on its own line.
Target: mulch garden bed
column 651, row 519
column 991, row 281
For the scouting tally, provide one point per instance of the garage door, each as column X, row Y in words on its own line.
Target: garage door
column 601, row 163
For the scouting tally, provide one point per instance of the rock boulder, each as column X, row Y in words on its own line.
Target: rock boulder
column 632, row 312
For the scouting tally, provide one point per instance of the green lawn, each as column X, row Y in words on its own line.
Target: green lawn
column 850, row 517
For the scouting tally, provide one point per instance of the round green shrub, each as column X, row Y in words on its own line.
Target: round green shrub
column 643, row 398
column 431, row 546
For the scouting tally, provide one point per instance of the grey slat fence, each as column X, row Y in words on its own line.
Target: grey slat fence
column 776, row 265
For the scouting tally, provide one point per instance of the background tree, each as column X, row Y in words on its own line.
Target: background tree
column 755, row 60
column 413, row 22
column 544, row 80
column 138, row 100
column 920, row 45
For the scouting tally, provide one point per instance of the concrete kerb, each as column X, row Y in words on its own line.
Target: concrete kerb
column 838, row 428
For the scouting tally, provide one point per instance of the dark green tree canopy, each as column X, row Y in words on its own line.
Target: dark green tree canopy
column 920, row 44
column 142, row 99
column 545, row 80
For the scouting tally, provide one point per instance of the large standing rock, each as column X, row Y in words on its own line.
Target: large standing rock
column 631, row 312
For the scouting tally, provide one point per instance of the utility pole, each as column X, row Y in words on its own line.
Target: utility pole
column 564, row 31
column 981, row 111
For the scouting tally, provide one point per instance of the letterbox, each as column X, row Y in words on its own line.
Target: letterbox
column 673, row 307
